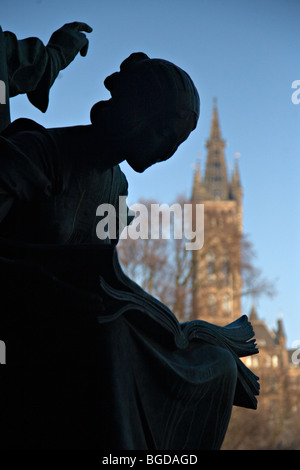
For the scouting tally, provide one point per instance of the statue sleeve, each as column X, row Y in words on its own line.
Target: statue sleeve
column 29, row 167
column 26, row 63
column 33, row 67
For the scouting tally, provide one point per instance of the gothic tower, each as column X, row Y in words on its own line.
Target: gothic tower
column 217, row 280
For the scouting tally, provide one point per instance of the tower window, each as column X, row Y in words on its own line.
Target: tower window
column 225, row 267
column 211, row 265
column 275, row 361
column 227, row 303
column 212, row 303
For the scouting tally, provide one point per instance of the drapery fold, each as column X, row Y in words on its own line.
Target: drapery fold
column 94, row 362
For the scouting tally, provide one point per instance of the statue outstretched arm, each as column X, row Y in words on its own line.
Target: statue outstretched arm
column 33, row 67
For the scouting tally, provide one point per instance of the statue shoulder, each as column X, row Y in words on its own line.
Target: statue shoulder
column 21, row 125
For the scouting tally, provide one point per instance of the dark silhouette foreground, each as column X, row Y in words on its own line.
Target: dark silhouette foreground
column 93, row 361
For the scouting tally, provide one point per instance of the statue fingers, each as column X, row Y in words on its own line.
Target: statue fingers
column 79, row 26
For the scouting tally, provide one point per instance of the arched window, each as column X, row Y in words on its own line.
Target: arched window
column 268, row 361
column 212, row 303
column 275, row 361
column 255, row 362
column 251, row 362
column 211, row 265
column 225, row 267
column 226, row 303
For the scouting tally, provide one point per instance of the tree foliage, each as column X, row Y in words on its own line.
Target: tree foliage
column 164, row 267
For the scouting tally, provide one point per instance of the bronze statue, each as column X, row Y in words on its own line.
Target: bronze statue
column 107, row 365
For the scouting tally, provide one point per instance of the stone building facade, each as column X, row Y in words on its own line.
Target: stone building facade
column 216, row 268
column 217, row 293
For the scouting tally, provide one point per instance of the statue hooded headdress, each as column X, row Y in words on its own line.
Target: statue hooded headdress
column 151, row 94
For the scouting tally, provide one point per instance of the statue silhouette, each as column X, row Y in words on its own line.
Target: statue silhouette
column 98, row 362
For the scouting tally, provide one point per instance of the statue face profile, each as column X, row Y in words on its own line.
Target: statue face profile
column 153, row 109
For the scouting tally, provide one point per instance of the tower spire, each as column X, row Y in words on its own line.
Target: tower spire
column 198, row 188
column 236, row 174
column 215, row 132
column 216, row 180
column 236, row 191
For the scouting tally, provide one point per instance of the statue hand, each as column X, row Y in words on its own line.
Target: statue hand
column 69, row 40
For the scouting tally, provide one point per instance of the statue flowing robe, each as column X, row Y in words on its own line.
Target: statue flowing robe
column 93, row 361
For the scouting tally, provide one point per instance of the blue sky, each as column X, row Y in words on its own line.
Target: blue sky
column 245, row 53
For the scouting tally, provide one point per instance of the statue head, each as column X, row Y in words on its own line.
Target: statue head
column 154, row 106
